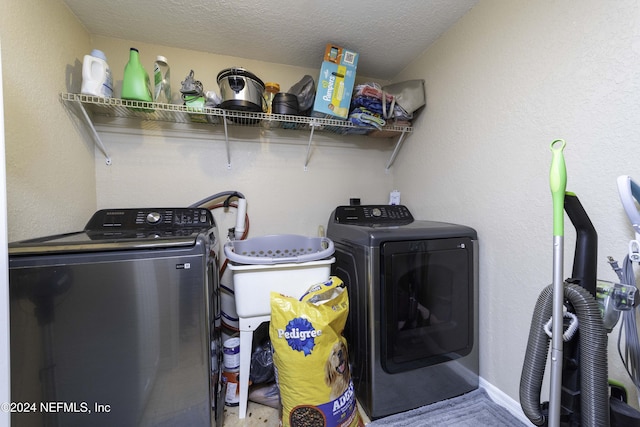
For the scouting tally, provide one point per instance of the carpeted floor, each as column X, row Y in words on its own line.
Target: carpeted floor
column 474, row 409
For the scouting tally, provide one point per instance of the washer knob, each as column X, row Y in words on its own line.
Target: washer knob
column 153, row 217
column 376, row 212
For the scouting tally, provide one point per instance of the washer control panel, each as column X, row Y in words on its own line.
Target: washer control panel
column 150, row 219
column 373, row 215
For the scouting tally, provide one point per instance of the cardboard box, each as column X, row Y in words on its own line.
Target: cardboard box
column 335, row 84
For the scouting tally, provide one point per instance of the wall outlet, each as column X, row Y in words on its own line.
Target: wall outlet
column 394, row 197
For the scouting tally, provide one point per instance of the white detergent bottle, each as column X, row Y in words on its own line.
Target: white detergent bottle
column 96, row 75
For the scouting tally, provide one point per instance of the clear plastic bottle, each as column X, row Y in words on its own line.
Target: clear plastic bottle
column 162, row 81
column 270, row 90
column 96, row 75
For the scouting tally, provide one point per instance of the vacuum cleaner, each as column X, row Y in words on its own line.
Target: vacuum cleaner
column 581, row 394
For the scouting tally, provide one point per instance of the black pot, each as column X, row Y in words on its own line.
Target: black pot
column 285, row 103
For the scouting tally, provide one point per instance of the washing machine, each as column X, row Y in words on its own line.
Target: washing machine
column 118, row 324
column 412, row 327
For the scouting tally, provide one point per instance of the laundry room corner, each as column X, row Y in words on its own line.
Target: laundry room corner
column 49, row 159
column 502, row 84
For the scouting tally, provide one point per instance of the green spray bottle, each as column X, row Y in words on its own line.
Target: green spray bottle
column 135, row 83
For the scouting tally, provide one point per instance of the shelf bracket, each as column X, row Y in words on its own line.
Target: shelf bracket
column 306, row 163
column 96, row 137
column 226, row 139
column 396, row 150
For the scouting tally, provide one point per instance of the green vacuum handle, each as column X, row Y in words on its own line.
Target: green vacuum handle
column 558, row 183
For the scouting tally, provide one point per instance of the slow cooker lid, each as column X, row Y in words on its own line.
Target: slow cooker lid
column 238, row 72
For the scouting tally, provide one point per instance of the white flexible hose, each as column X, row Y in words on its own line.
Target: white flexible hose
column 571, row 329
column 630, row 350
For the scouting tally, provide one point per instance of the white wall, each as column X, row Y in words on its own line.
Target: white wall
column 154, row 164
column 506, row 81
column 50, row 172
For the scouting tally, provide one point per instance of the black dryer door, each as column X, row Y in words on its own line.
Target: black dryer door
column 427, row 302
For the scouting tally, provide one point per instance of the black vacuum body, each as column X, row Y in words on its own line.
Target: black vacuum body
column 586, row 397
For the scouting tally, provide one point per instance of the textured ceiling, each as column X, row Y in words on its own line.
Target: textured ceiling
column 388, row 35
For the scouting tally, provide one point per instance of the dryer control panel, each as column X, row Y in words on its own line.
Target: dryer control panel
column 373, row 215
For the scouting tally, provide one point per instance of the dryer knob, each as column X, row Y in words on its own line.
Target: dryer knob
column 153, row 217
column 376, row 212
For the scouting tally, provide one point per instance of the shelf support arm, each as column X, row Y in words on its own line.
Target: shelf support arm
column 96, row 137
column 226, row 139
column 306, row 163
column 396, row 150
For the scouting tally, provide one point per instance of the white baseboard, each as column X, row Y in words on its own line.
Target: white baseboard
column 505, row 401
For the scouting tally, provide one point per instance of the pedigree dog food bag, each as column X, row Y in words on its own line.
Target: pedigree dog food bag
column 311, row 357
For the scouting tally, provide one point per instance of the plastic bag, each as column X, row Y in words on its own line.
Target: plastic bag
column 262, row 364
column 305, row 91
column 265, row 394
column 409, row 95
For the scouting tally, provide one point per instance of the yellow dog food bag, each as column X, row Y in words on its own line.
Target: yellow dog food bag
column 311, row 357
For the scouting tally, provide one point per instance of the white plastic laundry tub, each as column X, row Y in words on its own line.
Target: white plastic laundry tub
column 253, row 283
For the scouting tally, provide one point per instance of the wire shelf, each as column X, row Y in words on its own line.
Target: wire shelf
column 115, row 107
column 90, row 106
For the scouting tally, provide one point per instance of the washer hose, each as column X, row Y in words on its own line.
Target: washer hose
column 594, row 396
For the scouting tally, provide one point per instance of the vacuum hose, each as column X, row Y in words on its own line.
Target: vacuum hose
column 594, row 398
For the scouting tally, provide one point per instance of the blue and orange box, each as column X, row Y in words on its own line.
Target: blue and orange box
column 335, row 84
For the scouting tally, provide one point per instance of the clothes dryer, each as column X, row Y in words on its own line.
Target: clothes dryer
column 412, row 328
